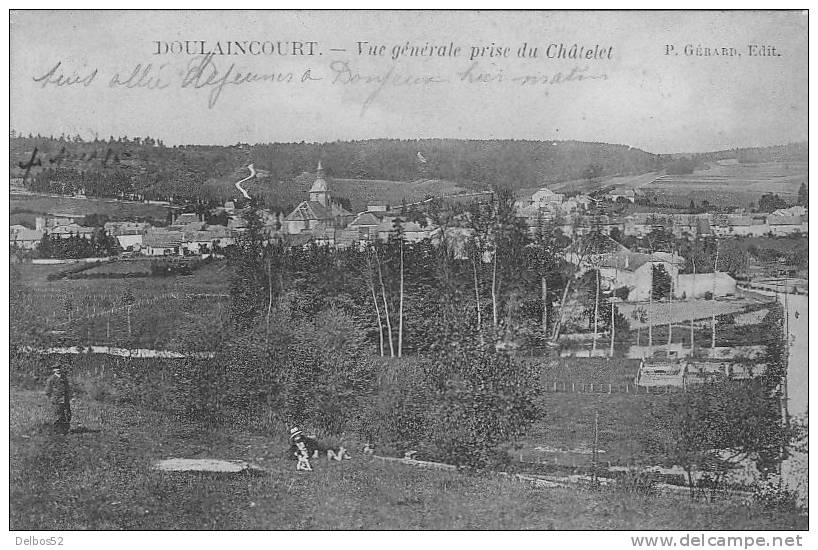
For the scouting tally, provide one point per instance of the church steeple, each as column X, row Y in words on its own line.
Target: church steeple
column 319, row 192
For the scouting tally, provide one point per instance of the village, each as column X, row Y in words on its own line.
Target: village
column 689, row 302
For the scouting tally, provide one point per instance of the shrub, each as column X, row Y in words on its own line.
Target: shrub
column 483, row 407
column 771, row 495
column 638, row 482
column 398, row 415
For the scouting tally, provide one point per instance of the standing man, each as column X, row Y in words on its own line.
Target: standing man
column 59, row 392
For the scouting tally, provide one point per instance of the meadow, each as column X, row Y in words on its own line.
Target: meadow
column 132, row 412
column 100, row 477
column 732, row 184
column 175, row 312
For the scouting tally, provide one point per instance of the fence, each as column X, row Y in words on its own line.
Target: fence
column 137, row 304
column 560, row 386
column 139, row 353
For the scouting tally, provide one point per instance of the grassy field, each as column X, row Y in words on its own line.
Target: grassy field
column 565, row 436
column 127, row 267
column 168, row 311
column 115, row 210
column 100, row 477
column 737, row 184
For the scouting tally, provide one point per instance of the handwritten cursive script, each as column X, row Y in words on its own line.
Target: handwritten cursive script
column 214, row 76
column 59, row 78
column 202, row 72
column 343, row 74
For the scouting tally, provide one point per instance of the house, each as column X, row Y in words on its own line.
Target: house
column 364, row 226
column 584, row 201
column 784, row 225
column 23, row 237
column 237, row 223
column 162, row 242
column 183, row 219
column 350, row 237
column 44, row 224
column 791, row 211
column 69, row 230
column 626, row 194
column 413, row 232
column 545, row 198
column 317, row 213
column 129, row 234
column 637, row 225
column 718, row 284
column 206, row 239
column 634, row 270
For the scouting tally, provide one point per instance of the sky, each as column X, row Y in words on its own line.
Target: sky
column 634, row 93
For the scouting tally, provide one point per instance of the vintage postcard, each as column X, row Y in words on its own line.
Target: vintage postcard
column 409, row 270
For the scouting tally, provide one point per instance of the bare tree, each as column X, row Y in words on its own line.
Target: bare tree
column 400, row 306
column 713, row 298
column 596, row 312
column 375, row 301
column 494, row 286
column 385, row 306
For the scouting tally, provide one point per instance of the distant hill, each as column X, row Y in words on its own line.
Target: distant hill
column 359, row 171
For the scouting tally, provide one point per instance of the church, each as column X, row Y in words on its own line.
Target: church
column 318, row 214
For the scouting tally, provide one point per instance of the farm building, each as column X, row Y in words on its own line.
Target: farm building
column 625, row 194
column 784, row 225
column 412, row 231
column 183, row 219
column 740, row 225
column 633, row 270
column 207, row 238
column 366, row 223
column 545, row 197
column 69, row 230
column 24, row 237
column 129, row 234
column 696, row 286
column 791, row 211
column 53, row 221
column 161, row 242
column 319, row 212
column 543, row 204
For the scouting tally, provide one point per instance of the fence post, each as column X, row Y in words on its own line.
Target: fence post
column 609, row 388
column 592, row 387
column 572, row 387
column 555, row 386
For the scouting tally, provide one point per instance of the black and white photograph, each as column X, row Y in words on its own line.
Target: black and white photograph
column 408, row 270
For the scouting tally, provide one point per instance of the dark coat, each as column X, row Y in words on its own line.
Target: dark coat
column 58, row 390
column 300, row 442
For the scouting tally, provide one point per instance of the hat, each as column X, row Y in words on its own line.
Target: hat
column 294, row 432
column 56, row 367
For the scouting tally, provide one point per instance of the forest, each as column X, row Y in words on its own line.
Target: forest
column 144, row 168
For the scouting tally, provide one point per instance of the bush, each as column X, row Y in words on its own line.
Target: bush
column 772, row 496
column 638, row 482
column 304, row 372
column 483, row 407
column 398, row 415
